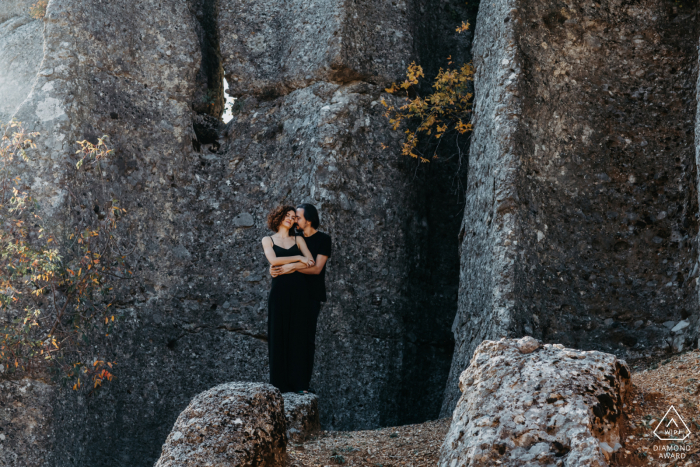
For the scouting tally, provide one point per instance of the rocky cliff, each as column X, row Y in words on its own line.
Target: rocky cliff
column 21, row 52
column 581, row 218
column 308, row 127
column 580, row 202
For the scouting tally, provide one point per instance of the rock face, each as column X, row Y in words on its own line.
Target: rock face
column 231, row 424
column 26, row 416
column 270, row 48
column 301, row 413
column 197, row 196
column 21, row 43
column 527, row 404
column 580, row 225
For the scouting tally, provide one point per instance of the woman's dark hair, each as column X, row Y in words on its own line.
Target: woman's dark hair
column 275, row 218
column 310, row 214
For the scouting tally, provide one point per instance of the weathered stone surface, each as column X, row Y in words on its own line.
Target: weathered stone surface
column 554, row 406
column 21, row 42
column 581, row 201
column 26, row 415
column 195, row 316
column 230, row 424
column 321, row 144
column 301, row 413
column 318, row 140
column 272, row 47
column 209, row 86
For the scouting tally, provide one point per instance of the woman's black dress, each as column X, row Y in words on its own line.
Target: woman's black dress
column 286, row 315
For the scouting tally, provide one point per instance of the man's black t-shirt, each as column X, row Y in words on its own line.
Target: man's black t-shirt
column 319, row 244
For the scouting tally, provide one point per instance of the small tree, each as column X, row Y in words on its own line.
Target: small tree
column 446, row 110
column 56, row 290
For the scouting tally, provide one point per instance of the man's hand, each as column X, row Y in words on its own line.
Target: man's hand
column 284, row 269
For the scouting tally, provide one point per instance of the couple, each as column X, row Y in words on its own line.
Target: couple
column 297, row 259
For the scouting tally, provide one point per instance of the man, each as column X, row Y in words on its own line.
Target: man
column 319, row 245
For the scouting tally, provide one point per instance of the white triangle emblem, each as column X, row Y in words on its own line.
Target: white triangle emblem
column 672, row 427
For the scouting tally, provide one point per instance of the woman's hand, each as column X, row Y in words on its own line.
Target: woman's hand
column 308, row 261
column 279, row 270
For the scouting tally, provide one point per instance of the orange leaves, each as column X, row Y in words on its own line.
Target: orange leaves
column 441, row 112
column 55, row 289
column 38, row 10
column 413, row 73
column 89, row 150
column 463, row 127
column 463, row 27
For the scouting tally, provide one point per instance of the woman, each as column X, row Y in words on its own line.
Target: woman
column 287, row 304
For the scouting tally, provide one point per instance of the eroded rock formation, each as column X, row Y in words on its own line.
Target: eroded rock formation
column 527, row 404
column 301, row 413
column 21, row 42
column 26, row 419
column 230, row 424
column 580, row 204
column 581, row 217
column 197, row 195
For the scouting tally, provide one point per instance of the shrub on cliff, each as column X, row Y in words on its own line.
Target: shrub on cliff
column 446, row 111
column 56, row 288
column 38, row 10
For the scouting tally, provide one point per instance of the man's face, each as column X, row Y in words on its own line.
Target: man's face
column 301, row 220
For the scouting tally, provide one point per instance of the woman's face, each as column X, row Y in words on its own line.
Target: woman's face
column 289, row 219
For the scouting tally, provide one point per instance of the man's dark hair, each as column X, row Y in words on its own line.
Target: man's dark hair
column 310, row 214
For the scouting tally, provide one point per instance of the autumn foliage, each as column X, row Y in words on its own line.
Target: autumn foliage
column 38, row 10
column 446, row 110
column 56, row 287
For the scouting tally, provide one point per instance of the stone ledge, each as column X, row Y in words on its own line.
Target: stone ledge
column 301, row 412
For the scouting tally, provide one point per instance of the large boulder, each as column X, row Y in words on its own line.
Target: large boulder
column 301, row 412
column 580, row 220
column 527, row 404
column 230, row 424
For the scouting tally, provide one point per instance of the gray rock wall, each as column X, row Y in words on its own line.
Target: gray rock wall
column 271, row 47
column 21, row 44
column 26, row 418
column 487, row 262
column 195, row 316
column 580, row 224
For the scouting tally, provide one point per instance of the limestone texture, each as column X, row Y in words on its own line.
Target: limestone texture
column 230, row 424
column 271, row 47
column 524, row 403
column 581, row 219
column 301, row 414
column 26, row 415
column 21, row 43
column 197, row 194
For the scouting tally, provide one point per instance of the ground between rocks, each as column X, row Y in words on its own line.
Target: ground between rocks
column 408, row 445
column 674, row 381
column 656, row 386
